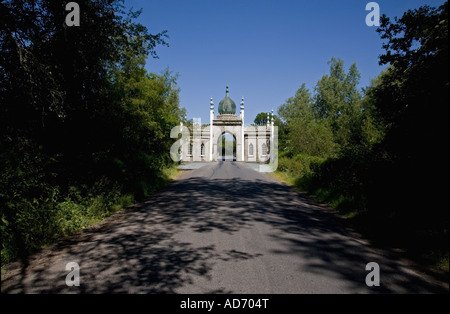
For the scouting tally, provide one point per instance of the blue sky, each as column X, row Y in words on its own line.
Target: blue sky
column 263, row 49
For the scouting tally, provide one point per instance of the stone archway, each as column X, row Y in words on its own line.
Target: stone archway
column 226, row 147
column 232, row 129
column 250, row 144
column 227, row 122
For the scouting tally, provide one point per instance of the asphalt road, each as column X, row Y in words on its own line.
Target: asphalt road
column 223, row 228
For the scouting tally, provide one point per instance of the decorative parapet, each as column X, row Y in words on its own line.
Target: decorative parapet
column 227, row 117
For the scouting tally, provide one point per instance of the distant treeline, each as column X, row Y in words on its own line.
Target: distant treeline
column 84, row 127
column 381, row 153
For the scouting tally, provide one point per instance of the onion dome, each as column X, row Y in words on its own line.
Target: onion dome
column 227, row 105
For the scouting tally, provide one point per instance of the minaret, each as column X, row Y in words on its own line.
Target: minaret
column 243, row 129
column 272, row 143
column 211, row 118
column 268, row 119
column 181, row 146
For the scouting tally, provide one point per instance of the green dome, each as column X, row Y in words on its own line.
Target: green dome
column 227, row 105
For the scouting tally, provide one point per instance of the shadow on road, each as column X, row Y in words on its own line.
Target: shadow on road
column 139, row 253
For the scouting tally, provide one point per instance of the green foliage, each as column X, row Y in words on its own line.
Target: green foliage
column 412, row 101
column 261, row 119
column 306, row 136
column 339, row 102
column 297, row 107
column 335, row 121
column 336, row 94
column 300, row 166
column 72, row 217
column 385, row 162
column 84, row 128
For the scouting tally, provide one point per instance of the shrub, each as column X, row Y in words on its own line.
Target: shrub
column 72, row 217
column 290, row 166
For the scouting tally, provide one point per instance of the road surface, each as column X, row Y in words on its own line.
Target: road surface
column 223, row 228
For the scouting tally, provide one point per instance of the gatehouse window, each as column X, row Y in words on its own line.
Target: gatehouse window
column 250, row 150
column 202, row 150
column 189, row 152
column 264, row 149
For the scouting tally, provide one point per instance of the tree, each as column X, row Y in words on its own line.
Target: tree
column 338, row 100
column 261, row 119
column 392, row 138
column 150, row 109
column 412, row 101
column 415, row 83
column 304, row 133
column 76, row 108
column 297, row 107
column 55, row 78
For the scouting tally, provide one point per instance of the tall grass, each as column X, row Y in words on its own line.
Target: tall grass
column 53, row 214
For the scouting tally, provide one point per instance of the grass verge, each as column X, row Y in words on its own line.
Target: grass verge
column 40, row 223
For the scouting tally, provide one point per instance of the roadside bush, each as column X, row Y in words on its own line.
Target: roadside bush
column 338, row 182
column 71, row 217
column 288, row 165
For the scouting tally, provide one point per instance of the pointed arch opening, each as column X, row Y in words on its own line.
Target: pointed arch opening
column 202, row 150
column 251, row 150
column 264, row 149
column 226, row 147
